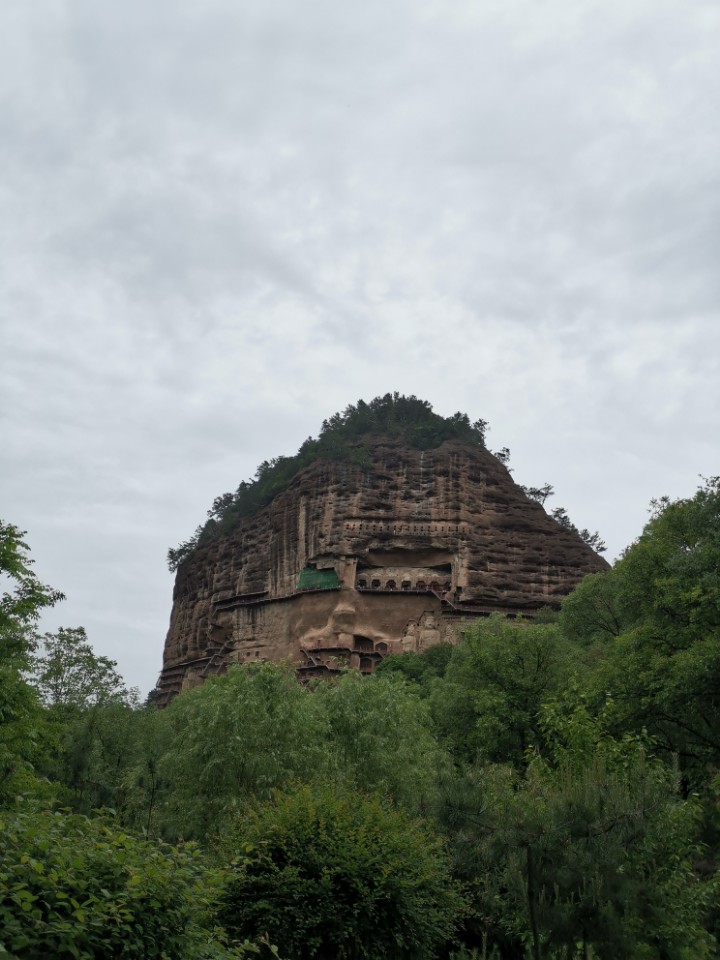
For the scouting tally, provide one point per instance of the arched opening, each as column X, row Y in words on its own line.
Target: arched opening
column 362, row 584
column 390, row 585
column 364, row 644
column 382, row 647
column 405, row 585
column 375, row 585
column 421, row 585
column 366, row 664
column 434, row 585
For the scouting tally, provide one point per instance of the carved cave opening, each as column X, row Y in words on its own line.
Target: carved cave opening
column 364, row 644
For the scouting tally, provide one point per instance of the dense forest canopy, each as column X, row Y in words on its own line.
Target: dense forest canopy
column 535, row 791
column 340, row 439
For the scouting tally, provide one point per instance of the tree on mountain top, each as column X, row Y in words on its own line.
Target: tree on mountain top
column 341, row 438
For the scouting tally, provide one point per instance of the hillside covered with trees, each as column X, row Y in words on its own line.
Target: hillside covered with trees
column 346, row 437
column 544, row 790
column 343, row 437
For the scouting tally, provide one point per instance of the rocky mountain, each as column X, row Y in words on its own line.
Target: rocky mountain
column 353, row 560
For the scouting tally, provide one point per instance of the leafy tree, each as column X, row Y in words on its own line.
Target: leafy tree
column 539, row 494
column 560, row 516
column 659, row 612
column 588, row 852
column 90, row 720
column 593, row 540
column 235, row 737
column 379, row 736
column 70, row 675
column 333, row 873
column 22, row 601
column 241, row 735
column 143, row 786
column 21, row 606
column 419, row 668
column 591, row 613
column 108, row 756
column 498, row 678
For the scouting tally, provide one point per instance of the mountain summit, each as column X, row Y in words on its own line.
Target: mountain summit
column 384, row 538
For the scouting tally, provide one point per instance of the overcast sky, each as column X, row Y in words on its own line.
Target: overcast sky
column 221, row 222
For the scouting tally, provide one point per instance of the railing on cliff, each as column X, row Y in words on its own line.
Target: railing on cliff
column 252, row 599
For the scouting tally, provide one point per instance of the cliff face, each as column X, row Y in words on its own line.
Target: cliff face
column 348, row 564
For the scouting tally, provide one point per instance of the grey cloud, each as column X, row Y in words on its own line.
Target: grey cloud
column 221, row 222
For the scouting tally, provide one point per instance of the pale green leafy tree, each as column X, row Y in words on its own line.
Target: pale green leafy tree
column 380, row 736
column 236, row 737
column 69, row 674
column 22, row 599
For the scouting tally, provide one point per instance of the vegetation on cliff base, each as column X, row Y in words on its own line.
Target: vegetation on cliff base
column 340, row 439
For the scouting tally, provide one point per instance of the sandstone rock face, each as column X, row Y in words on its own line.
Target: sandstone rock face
column 349, row 564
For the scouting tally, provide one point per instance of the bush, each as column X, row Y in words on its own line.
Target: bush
column 331, row 873
column 73, row 887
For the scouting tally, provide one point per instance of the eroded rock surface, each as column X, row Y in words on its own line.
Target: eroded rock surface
column 348, row 564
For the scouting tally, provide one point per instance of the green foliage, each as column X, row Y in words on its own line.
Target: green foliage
column 341, row 439
column 20, row 608
column 333, row 873
column 22, row 738
column 590, row 614
column 74, row 888
column 86, row 731
column 142, row 788
column 379, row 736
column 590, row 848
column 658, row 613
column 109, row 755
column 419, row 668
column 239, row 736
column 21, row 721
column 235, row 737
column 498, row 677
column 71, row 676
column 670, row 578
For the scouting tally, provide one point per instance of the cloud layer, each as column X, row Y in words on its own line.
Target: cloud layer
column 221, row 222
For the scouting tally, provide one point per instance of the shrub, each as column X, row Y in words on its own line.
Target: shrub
column 328, row 872
column 73, row 887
